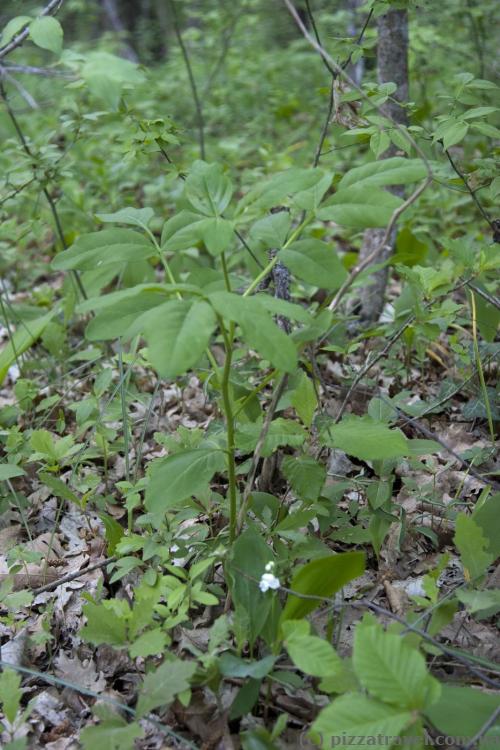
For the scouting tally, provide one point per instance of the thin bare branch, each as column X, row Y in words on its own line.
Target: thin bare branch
column 192, row 81
column 471, row 192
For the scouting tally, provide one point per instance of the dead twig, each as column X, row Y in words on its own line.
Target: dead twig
column 73, row 576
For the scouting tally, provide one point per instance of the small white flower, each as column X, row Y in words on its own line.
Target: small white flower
column 13, row 373
column 269, row 567
column 268, row 581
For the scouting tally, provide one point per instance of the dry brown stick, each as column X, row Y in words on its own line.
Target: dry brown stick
column 73, row 576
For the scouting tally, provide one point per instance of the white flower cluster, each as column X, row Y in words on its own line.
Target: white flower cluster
column 268, row 579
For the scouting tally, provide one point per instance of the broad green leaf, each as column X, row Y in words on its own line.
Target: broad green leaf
column 305, row 475
column 111, row 734
column 249, row 556
column 308, row 185
column 488, row 317
column 10, row 693
column 312, row 655
column 186, row 229
column 161, row 686
column 139, row 217
column 217, row 234
column 282, row 307
column 314, row 262
column 25, row 336
column 304, row 400
column 13, row 27
column 150, row 643
column 394, row 171
column 451, row 132
column 487, row 516
column 103, row 625
column 124, row 309
column 177, row 333
column 472, row 545
column 365, row 438
column 379, row 142
column 360, row 207
column 482, row 602
column 462, row 711
column 46, row 32
column 321, row 577
column 9, row 471
column 281, row 432
column 107, row 76
column 101, row 248
column 233, row 666
column 258, row 329
column 208, row 189
column 272, row 230
column 59, row 488
column 392, row 670
column 175, row 478
column 354, row 715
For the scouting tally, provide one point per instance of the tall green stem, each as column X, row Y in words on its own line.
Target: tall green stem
column 228, row 413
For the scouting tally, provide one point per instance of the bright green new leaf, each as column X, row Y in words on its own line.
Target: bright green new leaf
column 394, row 171
column 96, row 249
column 321, row 577
column 9, row 471
column 354, row 715
column 392, row 670
column 366, row 439
column 161, row 686
column 177, row 334
column 46, row 32
column 473, row 545
column 175, row 478
column 360, row 207
column 314, row 262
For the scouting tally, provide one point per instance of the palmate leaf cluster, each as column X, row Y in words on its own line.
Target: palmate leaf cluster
column 163, row 273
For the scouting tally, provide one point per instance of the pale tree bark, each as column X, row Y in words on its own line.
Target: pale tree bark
column 115, row 21
column 392, row 66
